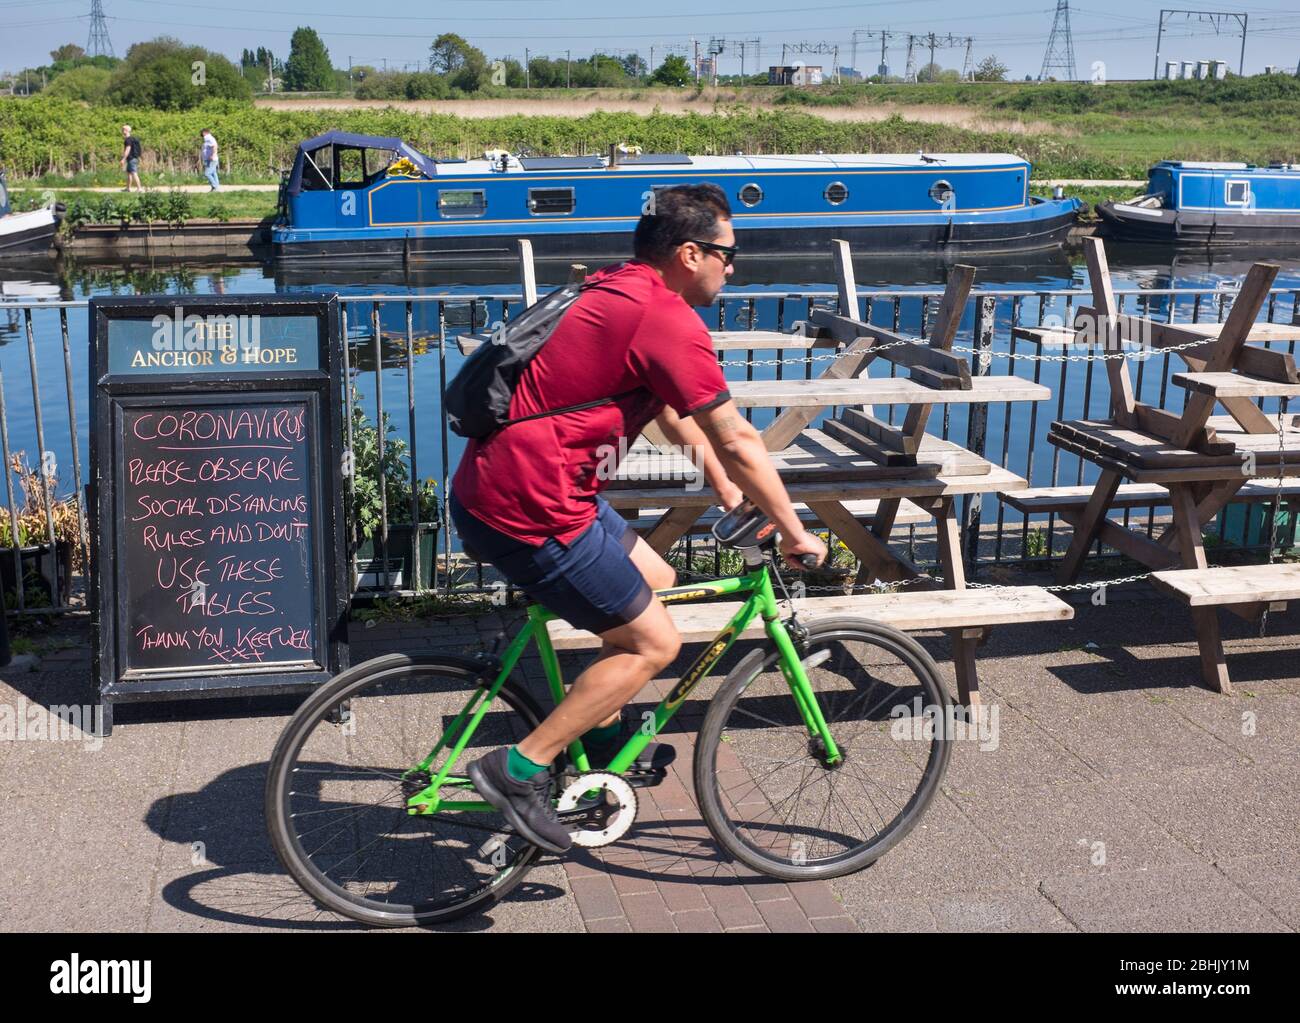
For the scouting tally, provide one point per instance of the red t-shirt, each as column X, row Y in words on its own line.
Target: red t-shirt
column 539, row 478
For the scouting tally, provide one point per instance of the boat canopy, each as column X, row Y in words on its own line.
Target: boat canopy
column 311, row 173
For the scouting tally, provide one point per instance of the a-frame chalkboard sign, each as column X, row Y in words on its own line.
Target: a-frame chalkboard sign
column 218, row 552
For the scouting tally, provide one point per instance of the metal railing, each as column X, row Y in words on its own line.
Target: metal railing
column 408, row 343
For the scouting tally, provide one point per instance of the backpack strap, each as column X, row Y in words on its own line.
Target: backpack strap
column 584, row 286
column 570, row 408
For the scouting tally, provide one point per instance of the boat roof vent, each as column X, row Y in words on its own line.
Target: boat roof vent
column 547, row 163
column 655, row 158
column 1207, row 165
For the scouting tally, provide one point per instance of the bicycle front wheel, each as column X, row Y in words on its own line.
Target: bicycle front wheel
column 341, row 774
column 769, row 794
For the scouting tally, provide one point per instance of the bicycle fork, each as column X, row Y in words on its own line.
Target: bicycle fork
column 792, row 668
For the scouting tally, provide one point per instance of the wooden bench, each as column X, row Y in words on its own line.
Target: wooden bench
column 1246, row 590
column 1041, row 500
column 644, row 519
column 1232, row 584
column 966, row 613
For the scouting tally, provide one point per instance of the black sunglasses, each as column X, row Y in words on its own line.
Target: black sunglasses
column 728, row 251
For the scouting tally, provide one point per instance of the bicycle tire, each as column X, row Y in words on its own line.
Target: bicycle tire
column 717, row 756
column 356, row 686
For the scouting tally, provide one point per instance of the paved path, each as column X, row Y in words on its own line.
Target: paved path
column 1120, row 796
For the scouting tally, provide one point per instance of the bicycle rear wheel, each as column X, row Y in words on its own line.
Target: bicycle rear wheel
column 337, row 786
column 766, row 790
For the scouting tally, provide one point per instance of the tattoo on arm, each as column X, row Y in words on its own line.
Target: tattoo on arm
column 726, row 426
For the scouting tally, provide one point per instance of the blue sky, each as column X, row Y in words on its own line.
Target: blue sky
column 1120, row 33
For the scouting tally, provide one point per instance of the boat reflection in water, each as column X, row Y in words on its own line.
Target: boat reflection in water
column 1047, row 269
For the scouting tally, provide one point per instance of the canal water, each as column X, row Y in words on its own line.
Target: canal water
column 750, row 300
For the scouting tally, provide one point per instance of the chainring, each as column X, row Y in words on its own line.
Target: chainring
column 621, row 814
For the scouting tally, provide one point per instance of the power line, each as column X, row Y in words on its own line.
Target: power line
column 98, row 44
column 1059, row 57
column 830, row 48
column 513, row 18
column 1217, row 19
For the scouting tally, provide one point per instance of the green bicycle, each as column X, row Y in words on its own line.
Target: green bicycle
column 818, row 753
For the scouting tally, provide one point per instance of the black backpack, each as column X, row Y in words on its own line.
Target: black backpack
column 478, row 398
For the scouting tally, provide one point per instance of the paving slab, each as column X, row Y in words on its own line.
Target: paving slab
column 1270, row 880
column 1188, row 897
column 1224, row 813
column 1059, row 829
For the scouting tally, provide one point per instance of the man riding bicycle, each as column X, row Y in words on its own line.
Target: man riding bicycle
column 527, row 500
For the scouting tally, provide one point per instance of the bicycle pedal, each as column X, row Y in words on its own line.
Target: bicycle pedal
column 646, row 778
column 638, row 778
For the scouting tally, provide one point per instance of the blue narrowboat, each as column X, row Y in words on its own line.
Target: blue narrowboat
column 378, row 201
column 1210, row 205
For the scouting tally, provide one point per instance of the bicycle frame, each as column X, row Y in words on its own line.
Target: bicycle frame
column 757, row 583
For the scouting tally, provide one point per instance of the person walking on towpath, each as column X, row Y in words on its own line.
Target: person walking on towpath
column 131, row 160
column 526, row 497
column 210, row 161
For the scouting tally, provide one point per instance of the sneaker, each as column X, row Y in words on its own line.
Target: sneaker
column 655, row 757
column 525, row 804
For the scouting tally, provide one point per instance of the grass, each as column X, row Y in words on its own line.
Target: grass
column 116, row 178
column 203, row 205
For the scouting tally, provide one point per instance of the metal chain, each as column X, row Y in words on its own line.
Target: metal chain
column 1141, row 355
column 888, row 587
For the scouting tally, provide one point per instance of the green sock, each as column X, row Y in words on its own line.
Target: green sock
column 602, row 735
column 519, row 767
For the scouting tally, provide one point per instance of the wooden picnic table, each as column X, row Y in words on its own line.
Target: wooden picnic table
column 1200, row 460
column 819, row 393
column 855, row 457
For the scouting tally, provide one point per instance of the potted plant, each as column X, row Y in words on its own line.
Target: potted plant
column 46, row 565
column 398, row 494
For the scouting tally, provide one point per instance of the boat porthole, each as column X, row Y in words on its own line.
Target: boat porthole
column 751, row 194
column 836, row 193
column 941, row 191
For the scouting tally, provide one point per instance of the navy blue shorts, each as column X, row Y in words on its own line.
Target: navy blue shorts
column 591, row 582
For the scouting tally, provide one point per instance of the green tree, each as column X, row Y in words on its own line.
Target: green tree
column 426, row 85
column 545, row 74
column 991, row 69
column 602, row 70
column 165, row 74
column 634, row 66
column 308, row 68
column 514, row 74
column 67, row 52
column 387, row 85
column 673, row 71
column 449, row 53
column 88, row 84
